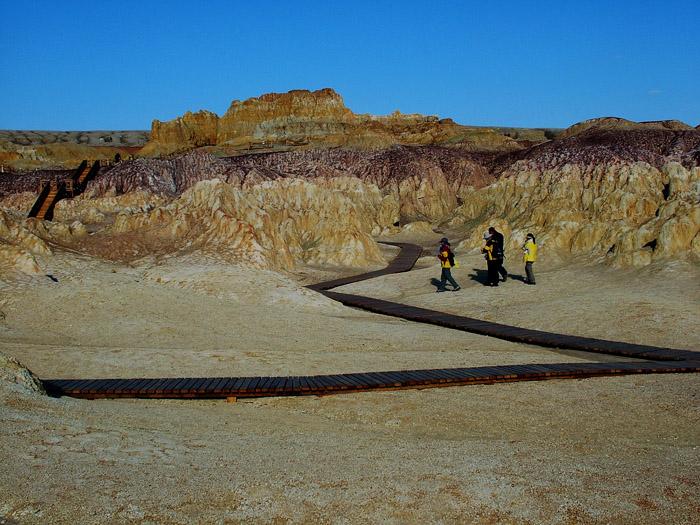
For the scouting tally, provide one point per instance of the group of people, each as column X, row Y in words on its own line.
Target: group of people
column 494, row 253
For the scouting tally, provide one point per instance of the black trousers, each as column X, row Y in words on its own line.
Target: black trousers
column 493, row 267
column 530, row 274
column 502, row 270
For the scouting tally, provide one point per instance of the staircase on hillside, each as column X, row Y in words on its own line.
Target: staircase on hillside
column 52, row 191
column 45, row 211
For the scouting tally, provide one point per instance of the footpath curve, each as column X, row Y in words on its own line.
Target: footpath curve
column 651, row 359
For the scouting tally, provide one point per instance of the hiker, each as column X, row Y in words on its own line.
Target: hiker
column 498, row 238
column 529, row 257
column 494, row 258
column 447, row 261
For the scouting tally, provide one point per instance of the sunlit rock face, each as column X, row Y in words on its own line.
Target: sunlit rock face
column 23, row 150
column 15, row 377
column 426, row 182
column 296, row 115
column 18, row 244
column 15, row 259
column 627, row 195
column 265, row 211
column 613, row 123
column 192, row 130
column 302, row 118
column 610, row 189
column 271, row 225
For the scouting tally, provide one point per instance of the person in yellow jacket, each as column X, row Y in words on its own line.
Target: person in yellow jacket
column 529, row 257
column 447, row 261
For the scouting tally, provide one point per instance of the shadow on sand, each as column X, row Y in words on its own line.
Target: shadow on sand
column 481, row 276
column 436, row 283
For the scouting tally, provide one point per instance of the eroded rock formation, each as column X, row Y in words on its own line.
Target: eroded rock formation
column 14, row 376
column 270, row 225
column 23, row 150
column 311, row 119
column 18, row 244
column 273, row 210
column 618, row 191
column 627, row 195
column 427, row 182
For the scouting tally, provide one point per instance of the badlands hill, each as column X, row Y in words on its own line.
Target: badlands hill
column 307, row 180
column 189, row 260
column 22, row 150
column 315, row 119
column 299, row 119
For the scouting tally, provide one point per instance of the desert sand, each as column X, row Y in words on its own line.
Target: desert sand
column 600, row 450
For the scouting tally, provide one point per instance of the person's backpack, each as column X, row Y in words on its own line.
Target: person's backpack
column 451, row 258
column 497, row 251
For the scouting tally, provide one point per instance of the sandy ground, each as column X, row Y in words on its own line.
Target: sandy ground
column 604, row 450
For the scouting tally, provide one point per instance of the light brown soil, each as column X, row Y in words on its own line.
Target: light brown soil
column 604, row 450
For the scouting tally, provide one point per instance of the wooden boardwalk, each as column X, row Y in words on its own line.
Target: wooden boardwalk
column 656, row 360
column 228, row 387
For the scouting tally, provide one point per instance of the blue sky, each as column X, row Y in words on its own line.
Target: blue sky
column 119, row 64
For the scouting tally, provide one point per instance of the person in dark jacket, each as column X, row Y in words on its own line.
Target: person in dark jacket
column 494, row 258
column 446, row 262
column 498, row 239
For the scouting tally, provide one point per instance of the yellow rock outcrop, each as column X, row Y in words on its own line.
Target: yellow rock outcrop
column 626, row 213
column 305, row 118
column 271, row 225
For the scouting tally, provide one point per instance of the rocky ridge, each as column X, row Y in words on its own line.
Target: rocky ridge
column 302, row 118
column 66, row 149
column 624, row 195
column 299, row 119
column 621, row 192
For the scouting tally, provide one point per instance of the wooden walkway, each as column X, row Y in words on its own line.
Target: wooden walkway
column 227, row 387
column 52, row 191
column 657, row 360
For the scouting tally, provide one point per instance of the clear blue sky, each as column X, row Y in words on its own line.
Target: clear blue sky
column 119, row 64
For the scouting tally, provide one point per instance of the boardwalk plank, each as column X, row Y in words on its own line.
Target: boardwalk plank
column 278, row 385
column 288, row 385
column 136, row 387
column 77, row 385
column 415, row 376
column 356, row 380
column 169, row 387
column 217, row 385
column 184, row 387
column 90, row 385
column 99, row 386
column 316, row 383
column 252, row 384
column 156, row 385
column 125, row 387
column 204, row 387
column 229, row 383
column 108, row 388
column 266, row 386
